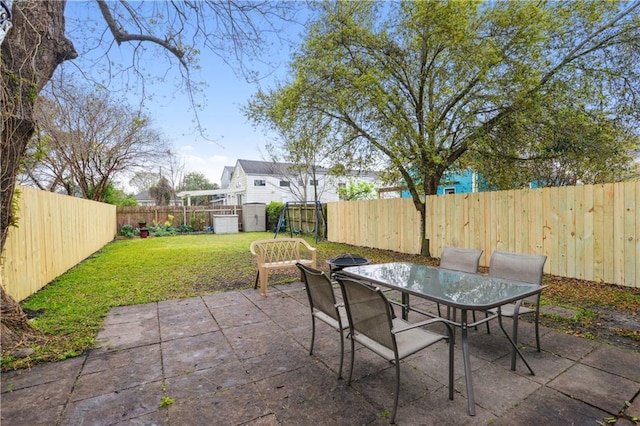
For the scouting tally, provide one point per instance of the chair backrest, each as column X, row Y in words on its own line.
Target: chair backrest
column 368, row 311
column 516, row 266
column 319, row 290
column 460, row 259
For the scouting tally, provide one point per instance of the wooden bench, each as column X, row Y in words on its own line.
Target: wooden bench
column 280, row 253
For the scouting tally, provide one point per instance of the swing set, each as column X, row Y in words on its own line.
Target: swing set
column 302, row 217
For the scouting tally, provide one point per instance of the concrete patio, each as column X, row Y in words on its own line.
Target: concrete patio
column 237, row 358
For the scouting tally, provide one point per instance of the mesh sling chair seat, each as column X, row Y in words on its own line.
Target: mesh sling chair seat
column 526, row 268
column 371, row 324
column 322, row 301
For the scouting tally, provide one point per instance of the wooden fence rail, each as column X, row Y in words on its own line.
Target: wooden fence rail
column 55, row 232
column 590, row 232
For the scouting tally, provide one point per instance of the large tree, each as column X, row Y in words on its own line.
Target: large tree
column 36, row 44
column 89, row 140
column 423, row 82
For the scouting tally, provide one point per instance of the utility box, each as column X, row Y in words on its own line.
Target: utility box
column 254, row 217
column 225, row 224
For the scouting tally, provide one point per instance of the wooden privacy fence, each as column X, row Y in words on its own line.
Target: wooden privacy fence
column 199, row 217
column 590, row 232
column 55, row 232
column 388, row 224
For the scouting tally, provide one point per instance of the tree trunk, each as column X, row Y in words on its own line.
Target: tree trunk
column 30, row 53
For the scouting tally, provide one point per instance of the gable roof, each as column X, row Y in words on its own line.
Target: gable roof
column 252, row 167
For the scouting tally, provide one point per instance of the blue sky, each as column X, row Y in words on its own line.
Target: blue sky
column 233, row 135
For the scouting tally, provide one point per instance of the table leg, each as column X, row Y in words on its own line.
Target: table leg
column 515, row 347
column 467, row 365
column 405, row 306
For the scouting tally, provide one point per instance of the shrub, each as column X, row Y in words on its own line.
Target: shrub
column 127, row 231
column 274, row 209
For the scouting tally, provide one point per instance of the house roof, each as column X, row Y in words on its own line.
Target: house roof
column 252, row 167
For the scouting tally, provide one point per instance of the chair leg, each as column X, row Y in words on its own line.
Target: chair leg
column 341, row 354
column 439, row 313
column 313, row 333
column 255, row 286
column 353, row 347
column 451, row 358
column 264, row 279
column 537, row 330
column 395, row 403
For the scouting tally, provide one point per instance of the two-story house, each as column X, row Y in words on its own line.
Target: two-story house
column 251, row 181
column 263, row 182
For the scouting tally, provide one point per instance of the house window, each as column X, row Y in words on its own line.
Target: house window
column 449, row 190
column 342, row 185
column 259, row 182
column 285, row 183
column 313, row 182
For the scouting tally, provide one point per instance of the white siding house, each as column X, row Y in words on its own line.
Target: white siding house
column 263, row 182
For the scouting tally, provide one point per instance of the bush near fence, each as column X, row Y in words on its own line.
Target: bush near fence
column 589, row 232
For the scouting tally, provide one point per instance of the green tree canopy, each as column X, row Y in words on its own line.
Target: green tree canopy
column 421, row 83
column 196, row 181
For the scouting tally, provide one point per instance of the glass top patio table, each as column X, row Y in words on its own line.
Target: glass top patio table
column 465, row 291
column 453, row 288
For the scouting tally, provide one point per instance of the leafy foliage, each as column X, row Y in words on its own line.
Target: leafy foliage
column 359, row 190
column 273, row 209
column 127, row 231
column 417, row 85
column 196, row 181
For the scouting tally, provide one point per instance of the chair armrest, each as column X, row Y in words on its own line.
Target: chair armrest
column 420, row 324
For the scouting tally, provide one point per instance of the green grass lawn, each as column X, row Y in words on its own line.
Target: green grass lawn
column 135, row 271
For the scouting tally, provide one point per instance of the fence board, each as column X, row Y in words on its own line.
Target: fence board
column 630, row 234
column 55, row 232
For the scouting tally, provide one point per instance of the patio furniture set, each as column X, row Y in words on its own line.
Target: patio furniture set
column 367, row 316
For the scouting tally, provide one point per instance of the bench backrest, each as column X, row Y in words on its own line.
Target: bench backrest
column 279, row 250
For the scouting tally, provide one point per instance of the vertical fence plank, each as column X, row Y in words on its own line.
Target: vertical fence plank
column 588, row 246
column 630, row 234
column 608, row 236
column 570, row 231
column 579, row 204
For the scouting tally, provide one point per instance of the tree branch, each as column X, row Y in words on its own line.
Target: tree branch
column 121, row 35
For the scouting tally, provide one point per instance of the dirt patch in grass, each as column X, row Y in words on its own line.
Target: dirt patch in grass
column 604, row 312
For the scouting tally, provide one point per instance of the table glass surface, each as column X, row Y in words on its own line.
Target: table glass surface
column 453, row 288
